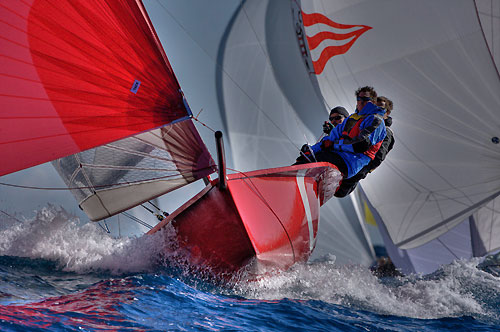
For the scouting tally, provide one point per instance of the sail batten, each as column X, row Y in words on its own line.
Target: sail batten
column 455, row 218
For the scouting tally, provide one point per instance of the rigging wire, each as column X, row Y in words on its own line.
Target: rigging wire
column 230, row 77
column 105, row 227
column 10, row 216
column 99, row 186
column 203, row 124
column 137, row 220
column 160, row 215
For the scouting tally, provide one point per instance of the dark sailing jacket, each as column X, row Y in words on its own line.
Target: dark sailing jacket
column 357, row 139
column 386, row 146
column 348, row 185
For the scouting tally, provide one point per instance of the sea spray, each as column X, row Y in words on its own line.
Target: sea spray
column 456, row 290
column 55, row 235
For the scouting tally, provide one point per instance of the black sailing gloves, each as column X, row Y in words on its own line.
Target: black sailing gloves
column 327, row 127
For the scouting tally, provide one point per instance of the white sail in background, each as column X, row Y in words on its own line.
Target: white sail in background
column 271, row 109
column 485, row 230
column 489, row 17
column 431, row 58
column 476, row 236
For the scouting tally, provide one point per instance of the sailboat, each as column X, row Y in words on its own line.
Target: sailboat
column 89, row 87
column 263, row 81
column 435, row 198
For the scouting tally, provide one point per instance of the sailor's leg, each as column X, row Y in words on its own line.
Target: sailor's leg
column 333, row 158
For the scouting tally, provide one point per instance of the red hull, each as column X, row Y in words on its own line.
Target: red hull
column 267, row 217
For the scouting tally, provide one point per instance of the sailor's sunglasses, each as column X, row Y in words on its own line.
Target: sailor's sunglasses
column 358, row 98
column 336, row 117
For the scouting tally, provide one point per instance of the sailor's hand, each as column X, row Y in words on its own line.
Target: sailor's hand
column 327, row 127
column 326, row 144
column 305, row 155
column 305, row 149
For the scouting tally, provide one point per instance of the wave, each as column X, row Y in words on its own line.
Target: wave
column 459, row 289
column 55, row 235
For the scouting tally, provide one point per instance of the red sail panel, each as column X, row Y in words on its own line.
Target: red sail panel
column 79, row 74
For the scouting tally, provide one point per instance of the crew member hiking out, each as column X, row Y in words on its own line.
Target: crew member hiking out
column 348, row 185
column 352, row 144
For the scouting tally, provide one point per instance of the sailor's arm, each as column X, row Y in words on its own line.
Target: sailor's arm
column 371, row 133
column 327, row 141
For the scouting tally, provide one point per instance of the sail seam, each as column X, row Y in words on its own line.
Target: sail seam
column 452, row 218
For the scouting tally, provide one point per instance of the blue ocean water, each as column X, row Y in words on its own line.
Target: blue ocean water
column 57, row 276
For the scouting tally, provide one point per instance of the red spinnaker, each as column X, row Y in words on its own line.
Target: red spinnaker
column 79, row 74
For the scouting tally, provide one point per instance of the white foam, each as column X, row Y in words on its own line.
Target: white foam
column 55, row 235
column 457, row 291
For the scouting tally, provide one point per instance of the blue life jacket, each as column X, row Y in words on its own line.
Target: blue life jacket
column 358, row 138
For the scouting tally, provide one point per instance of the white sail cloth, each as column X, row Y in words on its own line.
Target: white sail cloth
column 476, row 236
column 118, row 176
column 271, row 109
column 431, row 58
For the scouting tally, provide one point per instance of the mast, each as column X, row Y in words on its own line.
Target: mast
column 222, row 160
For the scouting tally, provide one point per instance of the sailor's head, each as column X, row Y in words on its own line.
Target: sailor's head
column 365, row 95
column 337, row 115
column 386, row 104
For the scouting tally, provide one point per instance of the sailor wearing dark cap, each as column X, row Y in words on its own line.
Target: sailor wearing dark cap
column 337, row 115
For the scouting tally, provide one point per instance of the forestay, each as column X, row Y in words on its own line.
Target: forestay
column 432, row 59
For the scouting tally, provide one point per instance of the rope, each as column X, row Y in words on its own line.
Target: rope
column 97, row 186
column 137, row 220
column 203, row 124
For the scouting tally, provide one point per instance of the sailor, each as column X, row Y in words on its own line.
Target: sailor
column 337, row 116
column 352, row 144
column 348, row 185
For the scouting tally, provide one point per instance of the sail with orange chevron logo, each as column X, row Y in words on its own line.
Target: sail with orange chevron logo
column 89, row 82
column 342, row 35
column 438, row 62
